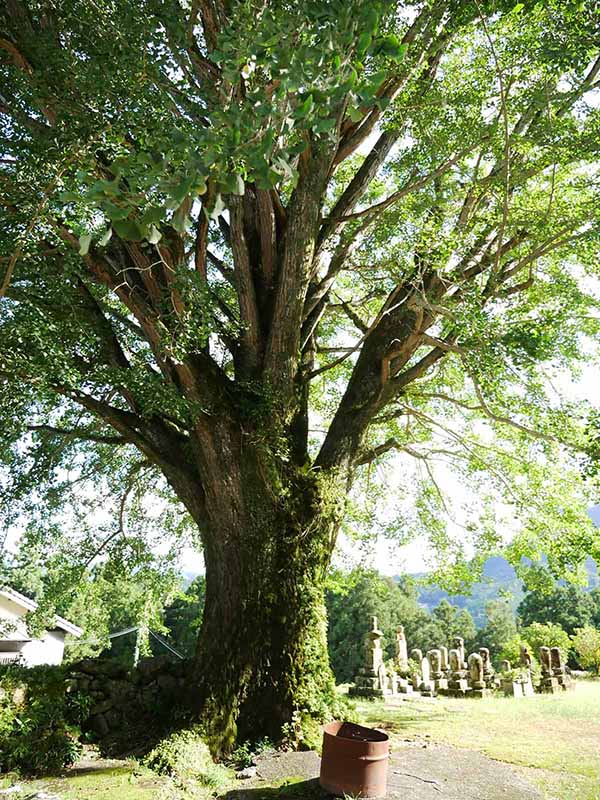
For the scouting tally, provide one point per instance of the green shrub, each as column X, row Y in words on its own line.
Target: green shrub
column 184, row 755
column 245, row 754
column 512, row 650
column 548, row 634
column 39, row 720
column 587, row 646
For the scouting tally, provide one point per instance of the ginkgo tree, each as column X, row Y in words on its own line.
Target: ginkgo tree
column 251, row 248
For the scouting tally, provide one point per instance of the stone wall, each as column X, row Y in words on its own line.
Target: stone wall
column 129, row 704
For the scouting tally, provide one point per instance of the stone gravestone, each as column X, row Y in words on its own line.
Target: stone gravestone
column 527, row 685
column 427, row 688
column 440, row 682
column 549, row 682
column 489, row 673
column 510, row 685
column 445, row 664
column 525, row 657
column 402, row 683
column 476, row 675
column 559, row 670
column 458, row 684
column 417, row 656
column 371, row 680
column 459, row 644
column 527, row 689
column 401, row 650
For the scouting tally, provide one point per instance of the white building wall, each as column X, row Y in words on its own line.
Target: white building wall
column 47, row 650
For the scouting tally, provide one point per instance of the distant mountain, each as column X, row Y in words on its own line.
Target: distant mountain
column 499, row 579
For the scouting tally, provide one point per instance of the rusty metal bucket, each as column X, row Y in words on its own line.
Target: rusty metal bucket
column 354, row 760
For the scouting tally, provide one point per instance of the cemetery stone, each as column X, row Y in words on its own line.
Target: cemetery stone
column 549, row 682
column 438, row 676
column 476, row 675
column 458, row 684
column 372, row 678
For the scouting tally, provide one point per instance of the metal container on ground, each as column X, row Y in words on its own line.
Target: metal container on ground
column 354, row 760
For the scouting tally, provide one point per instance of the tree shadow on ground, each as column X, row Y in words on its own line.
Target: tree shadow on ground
column 300, row 790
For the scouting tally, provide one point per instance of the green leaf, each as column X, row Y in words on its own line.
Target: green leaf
column 392, row 47
column 68, row 197
column 371, row 20
column 304, row 108
column 128, row 229
column 116, row 213
column 153, row 215
column 364, row 40
column 324, row 125
column 85, row 241
column 181, row 191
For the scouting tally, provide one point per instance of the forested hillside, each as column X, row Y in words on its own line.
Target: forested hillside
column 499, row 581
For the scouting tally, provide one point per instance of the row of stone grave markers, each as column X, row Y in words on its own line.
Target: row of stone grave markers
column 449, row 672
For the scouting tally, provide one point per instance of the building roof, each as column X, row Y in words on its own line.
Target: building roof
column 30, row 605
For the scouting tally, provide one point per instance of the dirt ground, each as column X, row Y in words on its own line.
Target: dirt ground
column 419, row 770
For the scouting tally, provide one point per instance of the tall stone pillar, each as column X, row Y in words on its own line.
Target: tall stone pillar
column 372, row 680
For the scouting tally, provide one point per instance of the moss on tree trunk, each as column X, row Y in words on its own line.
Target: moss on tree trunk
column 262, row 666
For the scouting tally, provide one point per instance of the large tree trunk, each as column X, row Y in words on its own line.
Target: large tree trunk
column 262, row 661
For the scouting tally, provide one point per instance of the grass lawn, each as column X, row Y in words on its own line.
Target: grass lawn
column 555, row 738
column 125, row 782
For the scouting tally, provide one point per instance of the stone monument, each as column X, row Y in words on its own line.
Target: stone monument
column 445, row 664
column 459, row 644
column 372, row 680
column 438, row 676
column 559, row 670
column 549, row 683
column 489, row 674
column 403, row 685
column 477, row 676
column 426, row 687
column 417, row 657
column 458, row 684
column 525, row 657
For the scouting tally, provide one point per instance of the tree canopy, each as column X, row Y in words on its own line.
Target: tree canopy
column 569, row 607
column 250, row 251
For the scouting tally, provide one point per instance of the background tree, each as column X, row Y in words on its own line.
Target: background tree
column 595, row 595
column 569, row 607
column 540, row 634
column 124, row 590
column 351, row 599
column 454, row 622
column 586, row 643
column 183, row 616
column 248, row 250
column 501, row 627
column 512, row 651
